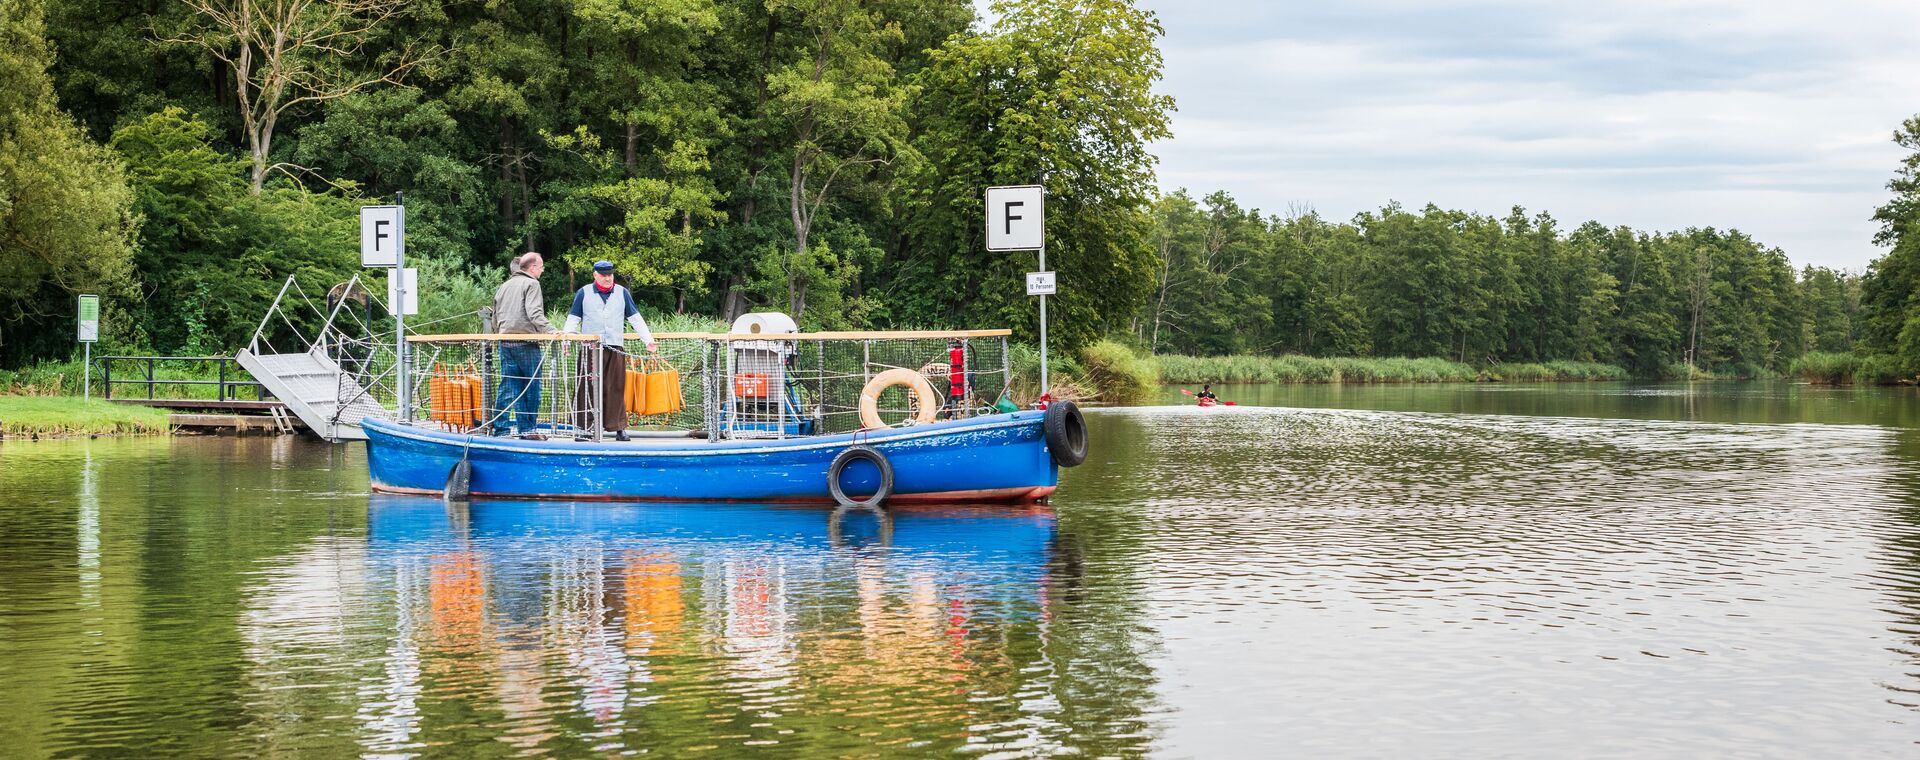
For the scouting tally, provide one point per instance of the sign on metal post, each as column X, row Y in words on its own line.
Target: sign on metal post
column 89, row 333
column 1016, row 218
column 381, row 241
column 1017, row 221
column 89, row 319
column 411, row 276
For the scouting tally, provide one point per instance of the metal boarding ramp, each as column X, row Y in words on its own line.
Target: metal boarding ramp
column 330, row 398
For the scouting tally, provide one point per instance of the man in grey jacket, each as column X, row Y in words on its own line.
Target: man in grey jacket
column 518, row 308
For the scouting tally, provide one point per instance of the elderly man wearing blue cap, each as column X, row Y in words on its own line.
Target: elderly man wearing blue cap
column 599, row 308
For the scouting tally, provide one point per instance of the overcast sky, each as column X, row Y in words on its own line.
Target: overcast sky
column 1771, row 117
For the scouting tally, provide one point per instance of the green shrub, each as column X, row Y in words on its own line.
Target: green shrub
column 681, row 323
column 1117, row 373
column 1825, row 367
column 1881, row 369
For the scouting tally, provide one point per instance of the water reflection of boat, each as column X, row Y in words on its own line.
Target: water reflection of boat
column 609, row 607
column 1007, row 538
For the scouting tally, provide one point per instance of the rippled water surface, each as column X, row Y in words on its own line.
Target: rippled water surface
column 1467, row 570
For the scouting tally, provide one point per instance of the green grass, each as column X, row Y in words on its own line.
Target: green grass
column 67, row 415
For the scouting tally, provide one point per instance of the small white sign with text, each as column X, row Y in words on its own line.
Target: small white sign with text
column 1040, row 283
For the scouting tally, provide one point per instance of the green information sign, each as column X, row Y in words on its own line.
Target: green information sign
column 89, row 319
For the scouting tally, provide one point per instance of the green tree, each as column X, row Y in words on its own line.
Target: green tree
column 842, row 111
column 217, row 254
column 66, row 224
column 1059, row 94
column 286, row 55
column 1890, row 293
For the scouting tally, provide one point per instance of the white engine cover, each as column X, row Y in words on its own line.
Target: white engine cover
column 765, row 322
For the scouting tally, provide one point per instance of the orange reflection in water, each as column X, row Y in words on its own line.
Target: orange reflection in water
column 654, row 609
column 457, row 595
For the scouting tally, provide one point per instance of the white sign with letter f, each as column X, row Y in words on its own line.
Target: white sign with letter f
column 380, row 243
column 1016, row 218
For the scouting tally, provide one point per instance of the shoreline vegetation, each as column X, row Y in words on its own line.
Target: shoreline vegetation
column 1830, row 368
column 1111, row 371
column 36, row 403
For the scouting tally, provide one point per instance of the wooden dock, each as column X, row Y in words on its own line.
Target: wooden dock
column 241, row 424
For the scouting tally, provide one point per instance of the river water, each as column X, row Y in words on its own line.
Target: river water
column 1589, row 570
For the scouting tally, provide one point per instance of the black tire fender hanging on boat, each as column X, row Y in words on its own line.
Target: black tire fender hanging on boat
column 839, row 467
column 1066, row 433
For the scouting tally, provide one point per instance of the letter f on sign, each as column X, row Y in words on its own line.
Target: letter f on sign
column 1010, row 216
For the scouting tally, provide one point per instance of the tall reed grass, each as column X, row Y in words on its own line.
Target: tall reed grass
column 1307, row 369
column 1555, row 371
column 1831, row 368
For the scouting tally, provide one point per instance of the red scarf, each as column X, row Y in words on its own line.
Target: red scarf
column 603, row 291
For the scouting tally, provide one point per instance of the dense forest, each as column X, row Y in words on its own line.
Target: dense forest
column 1483, row 290
column 820, row 157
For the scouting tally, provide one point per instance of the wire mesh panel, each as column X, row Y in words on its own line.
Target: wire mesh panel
column 815, row 386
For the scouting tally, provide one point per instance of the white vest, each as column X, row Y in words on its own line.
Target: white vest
column 605, row 318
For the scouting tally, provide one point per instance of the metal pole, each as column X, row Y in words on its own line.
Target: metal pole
column 400, row 313
column 1044, row 388
column 86, row 374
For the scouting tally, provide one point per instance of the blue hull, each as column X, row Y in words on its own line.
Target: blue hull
column 1001, row 457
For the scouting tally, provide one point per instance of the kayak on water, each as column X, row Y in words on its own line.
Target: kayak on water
column 1206, row 400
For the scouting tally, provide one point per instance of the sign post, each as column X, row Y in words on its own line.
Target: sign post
column 89, row 332
column 1017, row 221
column 383, row 243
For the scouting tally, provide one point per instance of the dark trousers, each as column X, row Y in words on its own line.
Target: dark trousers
column 613, row 392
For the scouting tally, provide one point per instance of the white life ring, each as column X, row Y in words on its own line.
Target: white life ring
column 922, row 391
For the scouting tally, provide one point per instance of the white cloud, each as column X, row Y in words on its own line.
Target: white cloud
column 1767, row 117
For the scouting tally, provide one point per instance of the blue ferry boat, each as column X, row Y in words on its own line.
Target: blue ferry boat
column 998, row 457
column 763, row 414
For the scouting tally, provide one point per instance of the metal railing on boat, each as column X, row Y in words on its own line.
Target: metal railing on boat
column 728, row 385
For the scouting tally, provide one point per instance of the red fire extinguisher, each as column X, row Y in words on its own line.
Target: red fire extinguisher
column 957, row 373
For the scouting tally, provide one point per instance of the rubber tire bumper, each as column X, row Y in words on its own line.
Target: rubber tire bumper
column 1066, row 433
column 839, row 466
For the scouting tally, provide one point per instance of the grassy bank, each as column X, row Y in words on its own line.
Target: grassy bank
column 43, row 416
column 1561, row 371
column 1310, row 369
column 1829, row 368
